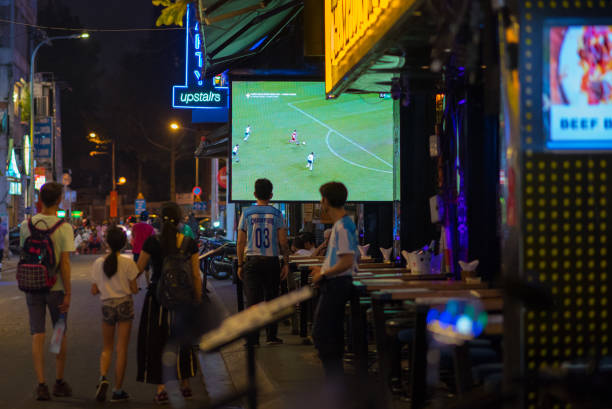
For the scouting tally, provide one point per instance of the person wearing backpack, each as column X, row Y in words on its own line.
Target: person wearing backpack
column 46, row 233
column 114, row 278
column 176, row 287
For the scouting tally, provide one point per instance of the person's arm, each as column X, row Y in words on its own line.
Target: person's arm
column 65, row 271
column 197, row 276
column 240, row 245
column 94, row 289
column 345, row 261
column 133, row 286
column 284, row 246
column 143, row 261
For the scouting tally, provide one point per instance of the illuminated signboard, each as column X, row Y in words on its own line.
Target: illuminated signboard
column 352, row 29
column 26, row 154
column 198, row 92
column 39, row 181
column 578, row 86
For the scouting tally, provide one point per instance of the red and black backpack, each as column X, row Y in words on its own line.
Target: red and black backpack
column 36, row 270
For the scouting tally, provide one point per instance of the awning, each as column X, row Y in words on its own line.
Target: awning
column 238, row 29
column 215, row 145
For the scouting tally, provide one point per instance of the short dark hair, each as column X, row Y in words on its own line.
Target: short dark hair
column 51, row 193
column 335, row 193
column 263, row 189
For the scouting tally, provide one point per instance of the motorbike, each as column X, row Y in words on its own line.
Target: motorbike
column 217, row 257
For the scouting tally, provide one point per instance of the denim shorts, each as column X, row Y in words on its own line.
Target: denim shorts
column 116, row 310
column 38, row 302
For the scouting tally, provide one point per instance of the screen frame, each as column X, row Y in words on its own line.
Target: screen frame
column 244, row 78
column 570, row 146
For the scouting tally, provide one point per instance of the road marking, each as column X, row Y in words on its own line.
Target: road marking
column 346, row 160
column 346, row 138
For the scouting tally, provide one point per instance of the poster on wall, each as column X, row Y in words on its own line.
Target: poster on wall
column 578, row 86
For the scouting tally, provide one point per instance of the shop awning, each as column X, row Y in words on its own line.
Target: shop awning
column 238, row 29
column 215, row 145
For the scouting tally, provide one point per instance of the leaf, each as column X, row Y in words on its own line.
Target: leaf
column 172, row 13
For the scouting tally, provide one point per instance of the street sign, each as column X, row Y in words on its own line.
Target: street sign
column 222, row 177
column 199, row 206
column 140, row 205
column 113, row 203
column 197, row 191
column 43, row 137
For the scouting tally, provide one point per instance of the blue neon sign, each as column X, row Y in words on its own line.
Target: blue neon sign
column 198, row 92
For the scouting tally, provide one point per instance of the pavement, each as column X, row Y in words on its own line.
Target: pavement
column 17, row 378
column 285, row 373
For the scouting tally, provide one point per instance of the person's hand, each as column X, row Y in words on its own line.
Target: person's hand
column 284, row 271
column 65, row 305
column 240, row 272
column 316, row 274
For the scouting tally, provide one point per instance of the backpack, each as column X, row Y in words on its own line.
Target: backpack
column 36, row 270
column 175, row 285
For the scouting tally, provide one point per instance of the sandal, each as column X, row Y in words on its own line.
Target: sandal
column 187, row 394
column 161, row 398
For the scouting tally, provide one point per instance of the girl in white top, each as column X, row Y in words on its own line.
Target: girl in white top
column 114, row 278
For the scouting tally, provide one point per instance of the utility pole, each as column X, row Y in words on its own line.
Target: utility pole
column 113, row 165
column 173, row 170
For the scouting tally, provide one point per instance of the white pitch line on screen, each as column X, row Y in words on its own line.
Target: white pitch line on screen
column 333, row 130
column 346, row 160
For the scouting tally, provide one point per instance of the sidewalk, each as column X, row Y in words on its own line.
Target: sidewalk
column 284, row 372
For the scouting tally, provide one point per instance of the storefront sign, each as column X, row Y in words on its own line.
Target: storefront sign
column 222, row 177
column 26, row 154
column 42, row 139
column 352, row 29
column 199, row 92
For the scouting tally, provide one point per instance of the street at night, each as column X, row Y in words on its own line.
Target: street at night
column 298, row 204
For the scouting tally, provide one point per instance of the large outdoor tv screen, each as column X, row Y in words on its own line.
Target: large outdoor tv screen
column 278, row 126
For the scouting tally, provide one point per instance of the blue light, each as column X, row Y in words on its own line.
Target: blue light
column 464, row 325
column 461, row 102
column 452, row 307
column 257, row 44
column 432, row 315
column 197, row 41
column 445, row 319
column 199, row 55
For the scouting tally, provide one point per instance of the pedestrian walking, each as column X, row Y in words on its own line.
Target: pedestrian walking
column 114, row 278
column 141, row 231
column 262, row 231
column 334, row 279
column 57, row 299
column 162, row 330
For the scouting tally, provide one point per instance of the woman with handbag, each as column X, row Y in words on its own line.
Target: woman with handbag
column 162, row 330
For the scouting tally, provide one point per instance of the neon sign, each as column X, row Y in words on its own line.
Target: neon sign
column 198, row 92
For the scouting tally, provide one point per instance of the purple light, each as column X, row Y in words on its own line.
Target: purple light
column 461, row 102
column 461, row 68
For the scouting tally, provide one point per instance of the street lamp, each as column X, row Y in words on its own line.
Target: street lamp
column 122, row 181
column 174, row 126
column 48, row 40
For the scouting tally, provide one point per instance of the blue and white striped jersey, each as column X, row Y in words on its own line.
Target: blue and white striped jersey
column 261, row 224
column 343, row 240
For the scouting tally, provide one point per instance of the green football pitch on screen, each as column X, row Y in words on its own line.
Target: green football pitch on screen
column 289, row 133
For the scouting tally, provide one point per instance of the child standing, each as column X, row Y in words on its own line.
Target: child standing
column 114, row 278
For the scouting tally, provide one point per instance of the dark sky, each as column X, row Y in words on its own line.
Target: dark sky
column 115, row 14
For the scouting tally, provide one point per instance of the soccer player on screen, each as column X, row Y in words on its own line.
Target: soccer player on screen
column 294, row 137
column 235, row 153
column 310, row 161
column 247, row 133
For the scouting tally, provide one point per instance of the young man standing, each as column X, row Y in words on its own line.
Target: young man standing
column 334, row 279
column 262, row 231
column 57, row 300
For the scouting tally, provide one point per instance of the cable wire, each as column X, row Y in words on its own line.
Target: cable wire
column 91, row 30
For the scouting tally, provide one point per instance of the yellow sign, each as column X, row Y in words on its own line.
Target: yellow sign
column 353, row 28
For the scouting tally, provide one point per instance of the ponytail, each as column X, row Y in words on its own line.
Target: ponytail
column 116, row 239
column 171, row 215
